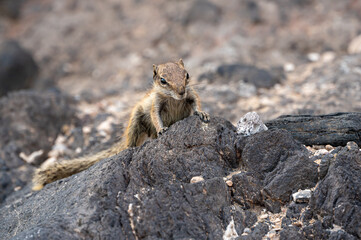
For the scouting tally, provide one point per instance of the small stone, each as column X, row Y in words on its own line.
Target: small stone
column 59, row 150
column 271, row 235
column 247, row 230
column 352, row 146
column 317, row 161
column 321, row 152
column 87, row 129
column 302, row 196
column 106, row 126
column 318, row 147
column 78, row 150
column 263, row 216
column 355, row 45
column 297, row 224
column 329, row 147
column 250, row 124
column 328, row 57
column 289, row 67
column 229, row 183
column 313, row 57
column 197, row 179
column 276, row 220
column 310, row 149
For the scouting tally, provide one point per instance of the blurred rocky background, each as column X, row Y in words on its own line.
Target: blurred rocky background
column 273, row 57
column 71, row 70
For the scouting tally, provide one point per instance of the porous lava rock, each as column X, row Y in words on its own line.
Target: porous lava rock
column 338, row 195
column 147, row 193
column 335, row 129
column 276, row 165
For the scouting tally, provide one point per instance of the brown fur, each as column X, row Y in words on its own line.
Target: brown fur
column 162, row 106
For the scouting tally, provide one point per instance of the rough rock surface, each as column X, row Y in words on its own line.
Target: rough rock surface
column 335, row 129
column 146, row 192
column 334, row 208
column 280, row 166
column 338, row 195
column 29, row 122
column 18, row 70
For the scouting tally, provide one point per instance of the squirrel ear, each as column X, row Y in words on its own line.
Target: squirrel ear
column 154, row 70
column 180, row 63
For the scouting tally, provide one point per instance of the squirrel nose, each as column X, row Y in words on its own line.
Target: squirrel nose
column 181, row 92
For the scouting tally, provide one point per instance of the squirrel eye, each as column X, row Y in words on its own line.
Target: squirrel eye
column 163, row 81
column 187, row 76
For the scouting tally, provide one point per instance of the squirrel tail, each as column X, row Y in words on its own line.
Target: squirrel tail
column 58, row 170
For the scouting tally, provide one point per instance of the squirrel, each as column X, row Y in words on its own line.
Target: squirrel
column 170, row 100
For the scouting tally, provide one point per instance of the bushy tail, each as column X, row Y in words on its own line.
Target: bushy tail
column 58, row 170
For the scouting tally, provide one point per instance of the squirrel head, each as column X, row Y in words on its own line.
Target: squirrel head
column 171, row 79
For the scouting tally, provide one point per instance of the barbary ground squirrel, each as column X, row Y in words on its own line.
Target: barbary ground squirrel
column 171, row 99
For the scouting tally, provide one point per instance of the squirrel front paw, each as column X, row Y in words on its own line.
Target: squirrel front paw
column 203, row 116
column 162, row 130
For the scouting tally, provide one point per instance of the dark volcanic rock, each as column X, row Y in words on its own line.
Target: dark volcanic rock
column 29, row 122
column 247, row 189
column 203, row 11
column 80, row 207
column 253, row 13
column 257, row 232
column 11, row 8
column 179, row 210
column 186, row 152
column 291, row 233
column 294, row 210
column 264, row 151
column 260, row 78
column 280, row 163
column 144, row 191
column 315, row 231
column 339, row 194
column 189, row 148
column 18, row 69
column 340, row 234
column 296, row 172
column 336, row 129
